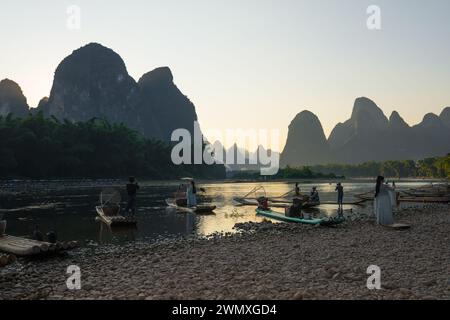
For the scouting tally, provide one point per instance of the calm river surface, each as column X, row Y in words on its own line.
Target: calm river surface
column 75, row 218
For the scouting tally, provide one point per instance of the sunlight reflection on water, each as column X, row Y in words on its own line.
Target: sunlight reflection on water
column 76, row 221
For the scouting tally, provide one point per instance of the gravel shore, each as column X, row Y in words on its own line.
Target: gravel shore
column 264, row 261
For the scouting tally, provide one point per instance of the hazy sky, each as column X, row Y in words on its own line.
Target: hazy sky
column 249, row 64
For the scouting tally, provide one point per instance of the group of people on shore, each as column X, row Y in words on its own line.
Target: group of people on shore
column 384, row 198
column 187, row 191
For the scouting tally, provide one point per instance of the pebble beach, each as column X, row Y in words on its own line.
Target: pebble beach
column 262, row 261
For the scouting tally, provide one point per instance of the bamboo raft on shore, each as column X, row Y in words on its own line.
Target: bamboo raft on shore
column 445, row 199
column 112, row 217
column 425, row 194
column 27, row 247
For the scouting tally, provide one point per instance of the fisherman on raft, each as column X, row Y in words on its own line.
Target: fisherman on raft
column 314, row 195
column 295, row 210
column 132, row 188
column 297, row 189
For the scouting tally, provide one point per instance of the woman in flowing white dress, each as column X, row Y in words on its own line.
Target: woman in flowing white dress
column 191, row 194
column 382, row 203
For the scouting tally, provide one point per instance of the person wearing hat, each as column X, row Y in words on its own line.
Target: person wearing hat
column 340, row 191
column 297, row 190
column 314, row 196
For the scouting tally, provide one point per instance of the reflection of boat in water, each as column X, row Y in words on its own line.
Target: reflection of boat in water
column 108, row 234
column 111, row 216
column 181, row 206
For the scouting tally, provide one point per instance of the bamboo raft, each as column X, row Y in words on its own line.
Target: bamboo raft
column 425, row 194
column 198, row 209
column 27, row 247
column 112, row 217
column 445, row 199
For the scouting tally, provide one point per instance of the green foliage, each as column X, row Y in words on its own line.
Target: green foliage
column 438, row 167
column 427, row 168
column 286, row 173
column 37, row 147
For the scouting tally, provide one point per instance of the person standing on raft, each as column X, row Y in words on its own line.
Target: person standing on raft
column 297, row 189
column 132, row 188
column 382, row 203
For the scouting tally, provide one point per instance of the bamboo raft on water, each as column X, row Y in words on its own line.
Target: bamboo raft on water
column 27, row 247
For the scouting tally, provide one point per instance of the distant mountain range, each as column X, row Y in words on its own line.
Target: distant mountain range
column 93, row 82
column 242, row 159
column 367, row 136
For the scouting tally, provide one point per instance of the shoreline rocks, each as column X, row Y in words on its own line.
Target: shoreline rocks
column 261, row 261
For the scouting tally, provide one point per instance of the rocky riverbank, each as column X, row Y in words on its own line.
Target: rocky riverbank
column 264, row 261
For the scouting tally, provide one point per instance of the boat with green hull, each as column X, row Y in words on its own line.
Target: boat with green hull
column 281, row 217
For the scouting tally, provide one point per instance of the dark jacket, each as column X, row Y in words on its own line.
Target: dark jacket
column 132, row 188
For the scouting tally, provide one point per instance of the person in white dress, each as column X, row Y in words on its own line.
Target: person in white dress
column 191, row 194
column 382, row 203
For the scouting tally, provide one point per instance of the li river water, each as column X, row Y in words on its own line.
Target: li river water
column 75, row 217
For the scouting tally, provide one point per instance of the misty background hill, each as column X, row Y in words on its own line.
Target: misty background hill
column 93, row 82
column 367, row 136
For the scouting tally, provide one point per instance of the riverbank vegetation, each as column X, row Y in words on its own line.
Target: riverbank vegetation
column 286, row 173
column 437, row 167
column 36, row 147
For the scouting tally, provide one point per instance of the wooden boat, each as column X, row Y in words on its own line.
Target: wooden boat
column 445, row 199
column 238, row 201
column 352, row 203
column 365, row 196
column 282, row 217
column 425, row 194
column 398, row 226
column 112, row 217
column 284, row 199
column 285, row 204
column 198, row 209
column 27, row 247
